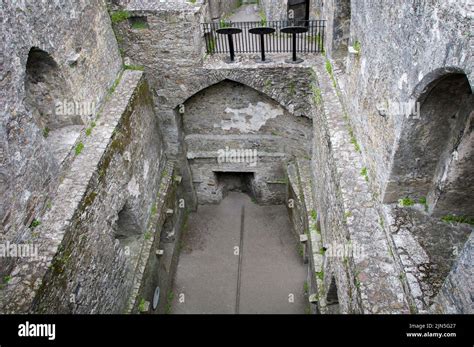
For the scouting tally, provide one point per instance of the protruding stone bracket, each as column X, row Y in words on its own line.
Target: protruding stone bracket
column 313, row 299
column 303, row 238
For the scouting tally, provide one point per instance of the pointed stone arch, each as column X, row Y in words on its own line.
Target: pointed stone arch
column 246, row 79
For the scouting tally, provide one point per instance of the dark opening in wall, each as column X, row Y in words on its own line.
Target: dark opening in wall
column 450, row 106
column 46, row 89
column 138, row 22
column 127, row 228
column 332, row 299
column 235, row 182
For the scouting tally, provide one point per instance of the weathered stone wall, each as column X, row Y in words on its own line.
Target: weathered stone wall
column 160, row 254
column 278, row 9
column 302, row 211
column 275, row 9
column 428, row 42
column 90, row 238
column 337, row 14
column 427, row 248
column 456, row 294
column 295, row 203
column 100, row 232
column 169, row 50
column 424, row 36
column 220, row 8
column 96, row 262
column 78, row 36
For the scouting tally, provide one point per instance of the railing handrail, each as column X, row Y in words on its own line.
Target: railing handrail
column 245, row 42
column 267, row 21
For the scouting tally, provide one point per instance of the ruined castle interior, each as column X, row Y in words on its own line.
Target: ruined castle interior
column 154, row 161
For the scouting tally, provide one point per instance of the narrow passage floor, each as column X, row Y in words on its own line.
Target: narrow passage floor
column 239, row 257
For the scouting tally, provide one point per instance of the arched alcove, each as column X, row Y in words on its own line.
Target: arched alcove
column 252, row 131
column 128, row 230
column 434, row 155
column 48, row 98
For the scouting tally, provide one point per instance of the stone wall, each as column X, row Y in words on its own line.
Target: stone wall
column 108, row 212
column 96, row 261
column 358, row 251
column 424, row 37
column 79, row 39
column 221, row 8
column 275, row 9
column 90, row 239
column 170, row 49
column 454, row 297
column 302, row 211
column 429, row 43
column 337, row 14
column 427, row 249
column 160, row 252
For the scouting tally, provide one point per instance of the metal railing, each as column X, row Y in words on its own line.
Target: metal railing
column 310, row 42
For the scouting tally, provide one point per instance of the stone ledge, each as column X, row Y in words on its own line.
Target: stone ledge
column 250, row 61
column 299, row 176
column 375, row 272
column 316, row 241
column 155, row 220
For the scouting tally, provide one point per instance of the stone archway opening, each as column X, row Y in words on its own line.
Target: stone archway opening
column 434, row 160
column 49, row 99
